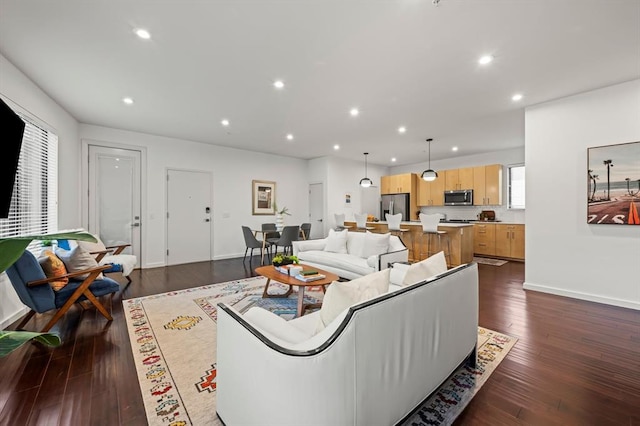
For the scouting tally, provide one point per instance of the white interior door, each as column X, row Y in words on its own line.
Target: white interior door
column 316, row 210
column 114, row 196
column 188, row 216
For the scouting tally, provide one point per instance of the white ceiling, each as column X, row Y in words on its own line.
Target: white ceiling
column 401, row 62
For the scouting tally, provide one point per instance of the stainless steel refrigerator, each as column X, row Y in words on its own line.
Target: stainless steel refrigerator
column 394, row 204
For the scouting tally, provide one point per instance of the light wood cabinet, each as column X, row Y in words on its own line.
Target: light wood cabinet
column 487, row 185
column 510, row 241
column 457, row 179
column 484, row 239
column 431, row 193
column 501, row 240
column 404, row 183
column 396, row 184
column 385, row 185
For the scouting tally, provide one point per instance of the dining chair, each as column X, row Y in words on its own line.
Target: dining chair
column 430, row 229
column 305, row 231
column 251, row 242
column 289, row 234
column 270, row 234
column 339, row 218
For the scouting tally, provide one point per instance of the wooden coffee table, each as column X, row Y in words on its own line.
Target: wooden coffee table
column 270, row 273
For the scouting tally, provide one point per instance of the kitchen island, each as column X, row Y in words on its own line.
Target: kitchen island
column 461, row 235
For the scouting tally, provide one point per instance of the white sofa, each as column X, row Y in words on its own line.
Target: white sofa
column 362, row 253
column 372, row 365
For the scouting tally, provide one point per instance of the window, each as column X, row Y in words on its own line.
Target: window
column 34, row 203
column 516, row 187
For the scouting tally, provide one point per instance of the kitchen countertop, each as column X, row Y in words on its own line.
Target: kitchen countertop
column 417, row 222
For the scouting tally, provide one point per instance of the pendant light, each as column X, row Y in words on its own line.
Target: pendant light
column 365, row 182
column 429, row 174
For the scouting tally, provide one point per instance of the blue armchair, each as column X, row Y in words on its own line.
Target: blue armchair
column 33, row 289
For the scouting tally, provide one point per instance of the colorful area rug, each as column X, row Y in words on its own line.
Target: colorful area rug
column 173, row 338
column 487, row 261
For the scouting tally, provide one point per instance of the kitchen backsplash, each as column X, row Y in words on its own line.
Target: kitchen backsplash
column 503, row 214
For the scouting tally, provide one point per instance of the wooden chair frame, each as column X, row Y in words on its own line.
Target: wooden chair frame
column 83, row 289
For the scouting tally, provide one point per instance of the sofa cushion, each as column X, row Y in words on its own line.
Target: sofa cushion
column 345, row 262
column 341, row 295
column 375, row 244
column 337, row 241
column 355, row 244
column 274, row 325
column 425, row 269
column 398, row 271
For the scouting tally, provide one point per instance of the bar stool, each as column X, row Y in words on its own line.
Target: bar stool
column 393, row 223
column 429, row 229
column 361, row 222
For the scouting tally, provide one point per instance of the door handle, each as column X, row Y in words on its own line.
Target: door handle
column 207, row 220
column 133, row 225
column 319, row 220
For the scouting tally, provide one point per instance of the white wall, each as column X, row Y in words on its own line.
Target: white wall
column 232, row 171
column 565, row 255
column 343, row 177
column 19, row 90
column 505, row 157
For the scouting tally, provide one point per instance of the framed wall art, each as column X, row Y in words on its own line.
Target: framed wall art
column 613, row 174
column 264, row 193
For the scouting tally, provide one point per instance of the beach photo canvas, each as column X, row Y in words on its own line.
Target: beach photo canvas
column 613, row 174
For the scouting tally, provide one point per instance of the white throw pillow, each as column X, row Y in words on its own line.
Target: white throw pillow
column 90, row 247
column 341, row 295
column 375, row 244
column 337, row 241
column 355, row 243
column 78, row 260
column 425, row 269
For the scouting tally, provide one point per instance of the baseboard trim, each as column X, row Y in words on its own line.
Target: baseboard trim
column 9, row 320
column 582, row 296
column 153, row 265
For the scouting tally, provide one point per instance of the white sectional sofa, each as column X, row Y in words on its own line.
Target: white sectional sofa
column 351, row 255
column 372, row 365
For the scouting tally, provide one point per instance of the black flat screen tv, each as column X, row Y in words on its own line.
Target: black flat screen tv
column 11, row 132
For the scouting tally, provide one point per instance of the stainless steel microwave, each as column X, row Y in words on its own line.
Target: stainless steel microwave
column 461, row 197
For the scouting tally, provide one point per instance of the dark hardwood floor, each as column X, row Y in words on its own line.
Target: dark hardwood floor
column 576, row 363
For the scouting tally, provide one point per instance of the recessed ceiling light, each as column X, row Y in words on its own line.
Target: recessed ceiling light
column 393, row 160
column 402, row 129
column 354, row 112
column 516, row 97
column 127, row 101
column 486, row 59
column 336, row 147
column 225, row 122
column 454, row 149
column 142, row 33
column 289, row 137
column 278, row 84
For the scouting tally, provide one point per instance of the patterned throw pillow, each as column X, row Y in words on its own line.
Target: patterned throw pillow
column 53, row 267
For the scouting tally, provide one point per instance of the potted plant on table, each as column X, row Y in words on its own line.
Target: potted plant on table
column 280, row 216
column 281, row 259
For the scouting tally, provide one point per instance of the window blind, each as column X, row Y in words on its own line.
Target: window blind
column 34, row 202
